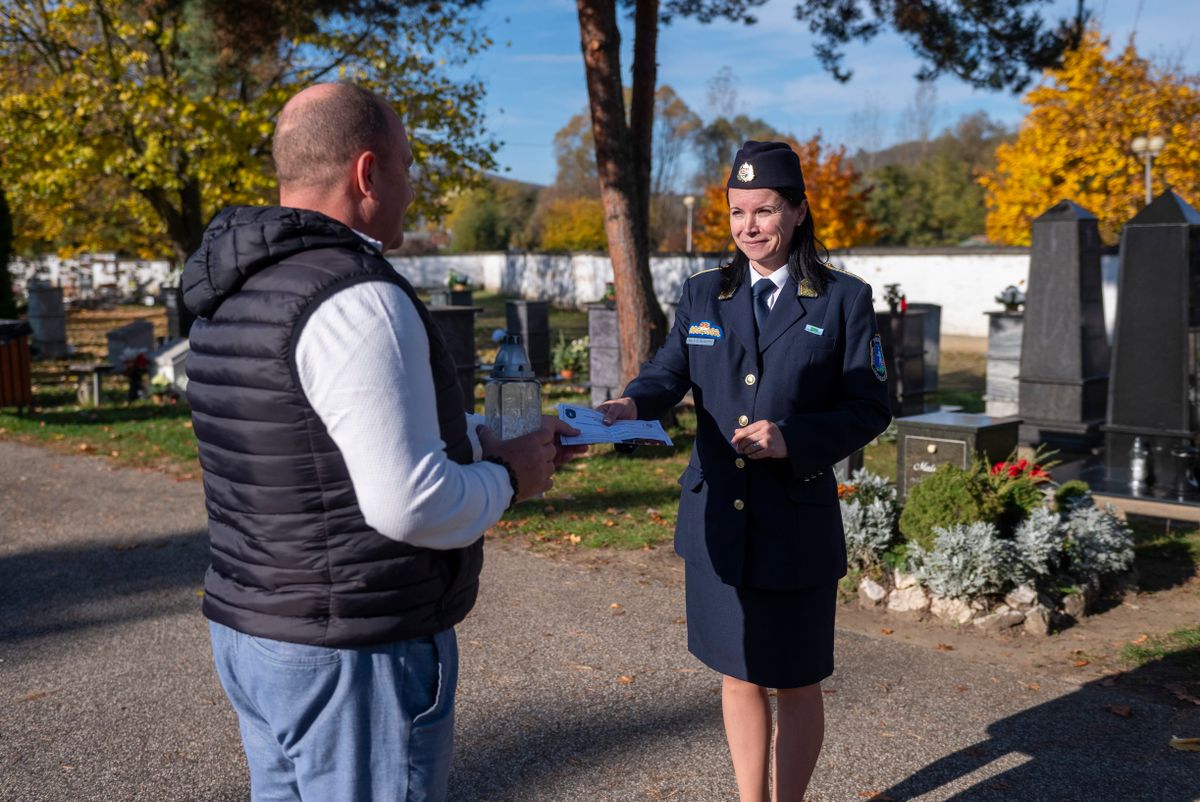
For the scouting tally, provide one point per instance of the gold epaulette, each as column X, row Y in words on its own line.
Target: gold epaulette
column 847, row 272
column 702, row 272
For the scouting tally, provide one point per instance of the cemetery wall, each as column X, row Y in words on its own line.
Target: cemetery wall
column 964, row 281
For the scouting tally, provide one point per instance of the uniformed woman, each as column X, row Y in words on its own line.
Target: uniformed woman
column 783, row 358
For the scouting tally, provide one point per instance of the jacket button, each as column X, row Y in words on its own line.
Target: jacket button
column 749, row 379
column 743, row 420
column 738, row 504
column 741, row 463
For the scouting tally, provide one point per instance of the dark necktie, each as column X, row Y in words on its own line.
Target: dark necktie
column 762, row 290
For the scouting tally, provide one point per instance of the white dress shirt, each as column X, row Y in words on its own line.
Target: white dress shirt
column 778, row 278
column 363, row 360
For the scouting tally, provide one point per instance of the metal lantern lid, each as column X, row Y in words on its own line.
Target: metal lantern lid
column 512, row 363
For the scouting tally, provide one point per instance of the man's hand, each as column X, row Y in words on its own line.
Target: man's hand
column 534, row 457
column 760, row 440
column 624, row 408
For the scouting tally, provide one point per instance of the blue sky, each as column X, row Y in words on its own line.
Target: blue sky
column 535, row 81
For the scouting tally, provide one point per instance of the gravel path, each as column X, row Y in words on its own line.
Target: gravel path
column 107, row 693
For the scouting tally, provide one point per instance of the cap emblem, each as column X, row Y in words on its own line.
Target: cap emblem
column 745, row 173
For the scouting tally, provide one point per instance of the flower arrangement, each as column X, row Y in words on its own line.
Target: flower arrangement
column 869, row 515
column 458, row 281
column 569, row 358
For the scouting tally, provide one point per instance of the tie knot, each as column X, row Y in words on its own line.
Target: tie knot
column 763, row 287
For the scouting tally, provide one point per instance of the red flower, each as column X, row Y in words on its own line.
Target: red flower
column 998, row 467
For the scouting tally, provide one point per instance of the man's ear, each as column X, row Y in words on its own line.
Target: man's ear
column 366, row 168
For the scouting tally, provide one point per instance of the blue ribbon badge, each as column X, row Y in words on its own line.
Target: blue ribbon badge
column 877, row 363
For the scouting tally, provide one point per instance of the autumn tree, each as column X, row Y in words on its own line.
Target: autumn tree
column 128, row 123
column 835, row 199
column 574, row 224
column 1075, row 142
column 8, row 307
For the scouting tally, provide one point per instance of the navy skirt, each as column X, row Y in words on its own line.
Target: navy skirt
column 772, row 638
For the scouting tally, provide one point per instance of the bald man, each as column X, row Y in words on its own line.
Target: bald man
column 347, row 489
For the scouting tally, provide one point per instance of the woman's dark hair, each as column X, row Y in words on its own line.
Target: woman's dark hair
column 804, row 261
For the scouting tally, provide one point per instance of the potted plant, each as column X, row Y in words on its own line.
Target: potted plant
column 569, row 358
column 458, row 291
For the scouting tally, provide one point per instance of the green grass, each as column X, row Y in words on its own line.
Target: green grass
column 1153, row 540
column 1180, row 649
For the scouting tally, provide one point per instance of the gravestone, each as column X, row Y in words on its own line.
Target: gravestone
column 457, row 325
column 179, row 317
column 48, row 319
column 126, row 341
column 923, row 442
column 1005, row 329
column 531, row 320
column 902, row 335
column 932, row 330
column 1064, row 348
column 170, row 360
column 604, row 353
column 1154, row 389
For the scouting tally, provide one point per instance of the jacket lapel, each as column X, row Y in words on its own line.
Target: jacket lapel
column 789, row 309
column 737, row 312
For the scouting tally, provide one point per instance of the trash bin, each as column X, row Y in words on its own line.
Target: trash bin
column 16, row 386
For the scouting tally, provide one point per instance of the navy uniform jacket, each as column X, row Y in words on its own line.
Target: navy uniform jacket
column 817, row 372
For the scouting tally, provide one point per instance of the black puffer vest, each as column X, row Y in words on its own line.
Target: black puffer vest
column 292, row 557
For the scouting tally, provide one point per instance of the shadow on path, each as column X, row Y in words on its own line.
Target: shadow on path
column 61, row 589
column 560, row 745
column 1098, row 743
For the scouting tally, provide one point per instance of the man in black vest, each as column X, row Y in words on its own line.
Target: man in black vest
column 347, row 491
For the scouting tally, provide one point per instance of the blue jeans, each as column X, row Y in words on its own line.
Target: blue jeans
column 342, row 725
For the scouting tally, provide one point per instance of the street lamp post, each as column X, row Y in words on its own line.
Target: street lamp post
column 689, row 201
column 1148, row 148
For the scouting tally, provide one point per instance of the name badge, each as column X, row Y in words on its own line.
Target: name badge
column 703, row 333
column 817, row 330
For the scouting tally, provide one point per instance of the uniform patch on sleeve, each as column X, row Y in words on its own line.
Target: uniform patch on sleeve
column 877, row 364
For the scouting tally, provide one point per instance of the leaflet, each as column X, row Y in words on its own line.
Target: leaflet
column 590, row 424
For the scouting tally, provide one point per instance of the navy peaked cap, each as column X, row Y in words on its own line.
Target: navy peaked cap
column 766, row 165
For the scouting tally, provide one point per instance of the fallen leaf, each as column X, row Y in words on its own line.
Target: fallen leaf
column 1033, row 686
column 887, row 631
column 1138, row 641
column 575, row 539
column 1080, row 663
column 1124, row 711
column 680, row 620
column 85, row 447
column 114, row 453
column 615, row 606
column 1181, row 692
column 877, row 795
column 944, row 647
column 187, row 424
column 962, row 688
column 625, row 679
column 1185, row 744
column 612, row 511
column 610, row 523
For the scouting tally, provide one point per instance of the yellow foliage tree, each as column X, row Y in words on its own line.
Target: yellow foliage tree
column 128, row 123
column 839, row 210
column 574, row 224
column 1075, row 142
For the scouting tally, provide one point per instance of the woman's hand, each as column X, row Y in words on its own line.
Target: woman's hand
column 624, row 408
column 760, row 440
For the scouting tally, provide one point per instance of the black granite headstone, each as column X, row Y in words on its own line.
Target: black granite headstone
column 902, row 335
column 1064, row 348
column 923, row 442
column 1154, row 392
column 457, row 325
column 531, row 320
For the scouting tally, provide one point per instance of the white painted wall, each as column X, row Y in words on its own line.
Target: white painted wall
column 964, row 281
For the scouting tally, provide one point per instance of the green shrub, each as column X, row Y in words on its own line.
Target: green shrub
column 947, row 497
column 1072, row 494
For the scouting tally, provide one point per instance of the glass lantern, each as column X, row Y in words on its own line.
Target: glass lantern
column 512, row 404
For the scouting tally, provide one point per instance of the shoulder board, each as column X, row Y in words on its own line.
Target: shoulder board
column 846, row 273
column 702, row 272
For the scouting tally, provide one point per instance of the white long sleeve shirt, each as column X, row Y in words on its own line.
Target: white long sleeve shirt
column 363, row 360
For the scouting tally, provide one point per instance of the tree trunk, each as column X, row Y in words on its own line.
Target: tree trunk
column 623, row 167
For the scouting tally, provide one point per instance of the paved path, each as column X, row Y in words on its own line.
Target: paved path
column 106, row 690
